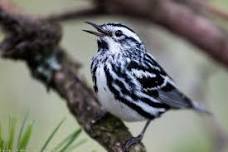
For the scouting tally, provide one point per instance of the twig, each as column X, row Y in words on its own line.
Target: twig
column 74, row 14
column 217, row 11
column 36, row 42
column 178, row 18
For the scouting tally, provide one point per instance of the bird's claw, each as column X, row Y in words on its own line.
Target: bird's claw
column 132, row 141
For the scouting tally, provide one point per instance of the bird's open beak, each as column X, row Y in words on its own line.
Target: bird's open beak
column 100, row 32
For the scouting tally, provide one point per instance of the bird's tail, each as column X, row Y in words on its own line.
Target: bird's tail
column 198, row 107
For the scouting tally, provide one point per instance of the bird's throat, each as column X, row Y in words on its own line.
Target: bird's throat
column 102, row 45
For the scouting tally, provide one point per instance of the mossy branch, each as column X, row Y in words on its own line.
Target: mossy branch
column 36, row 42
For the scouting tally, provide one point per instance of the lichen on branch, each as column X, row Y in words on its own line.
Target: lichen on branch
column 36, row 42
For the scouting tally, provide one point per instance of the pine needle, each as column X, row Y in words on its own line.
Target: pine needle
column 51, row 136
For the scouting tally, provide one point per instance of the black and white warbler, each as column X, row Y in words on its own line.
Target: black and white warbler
column 129, row 83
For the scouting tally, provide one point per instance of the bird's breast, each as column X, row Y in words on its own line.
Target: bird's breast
column 108, row 101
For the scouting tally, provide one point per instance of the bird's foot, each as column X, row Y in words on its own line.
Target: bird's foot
column 132, row 141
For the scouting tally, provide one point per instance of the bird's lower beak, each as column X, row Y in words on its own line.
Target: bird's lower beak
column 100, row 32
column 94, row 33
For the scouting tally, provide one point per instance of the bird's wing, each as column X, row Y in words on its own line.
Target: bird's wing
column 156, row 83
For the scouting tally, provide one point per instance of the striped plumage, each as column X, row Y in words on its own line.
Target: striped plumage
column 128, row 81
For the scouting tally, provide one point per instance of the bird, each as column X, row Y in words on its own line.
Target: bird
column 129, row 82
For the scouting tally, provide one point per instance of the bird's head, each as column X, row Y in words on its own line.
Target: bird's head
column 115, row 37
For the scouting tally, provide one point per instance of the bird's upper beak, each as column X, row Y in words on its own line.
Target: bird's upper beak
column 100, row 31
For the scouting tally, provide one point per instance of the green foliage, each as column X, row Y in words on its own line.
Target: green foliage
column 1, row 139
column 23, row 139
column 12, row 127
column 65, row 144
column 23, row 142
column 8, row 143
column 19, row 141
column 51, row 136
column 68, row 141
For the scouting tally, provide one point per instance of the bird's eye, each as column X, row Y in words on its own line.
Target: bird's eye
column 118, row 33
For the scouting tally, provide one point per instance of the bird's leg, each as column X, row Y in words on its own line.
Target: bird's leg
column 137, row 139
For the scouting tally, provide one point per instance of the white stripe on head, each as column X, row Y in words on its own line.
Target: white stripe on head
column 126, row 31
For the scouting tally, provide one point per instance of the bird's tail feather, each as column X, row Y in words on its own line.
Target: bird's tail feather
column 198, row 107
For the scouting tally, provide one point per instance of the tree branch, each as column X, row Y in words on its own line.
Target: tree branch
column 183, row 21
column 69, row 15
column 177, row 17
column 36, row 42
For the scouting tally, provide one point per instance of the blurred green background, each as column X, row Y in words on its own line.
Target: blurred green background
column 179, row 131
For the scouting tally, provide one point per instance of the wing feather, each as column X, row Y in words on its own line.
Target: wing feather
column 157, row 83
